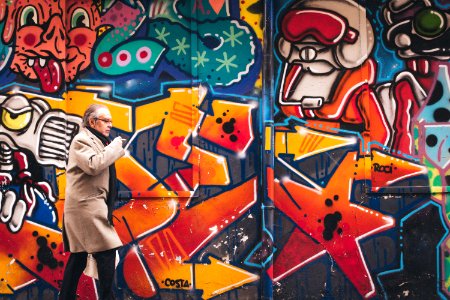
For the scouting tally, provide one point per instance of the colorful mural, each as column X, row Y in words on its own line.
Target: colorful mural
column 289, row 149
column 356, row 87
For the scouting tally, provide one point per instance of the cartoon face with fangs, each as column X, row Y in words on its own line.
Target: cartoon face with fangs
column 52, row 40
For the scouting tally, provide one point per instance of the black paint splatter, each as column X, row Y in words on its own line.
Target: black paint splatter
column 45, row 254
column 431, row 140
column 330, row 222
column 441, row 115
column 228, row 127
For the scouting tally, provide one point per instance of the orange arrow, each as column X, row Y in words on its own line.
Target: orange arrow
column 218, row 277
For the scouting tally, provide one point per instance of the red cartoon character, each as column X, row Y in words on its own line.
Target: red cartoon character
column 419, row 32
column 327, row 73
column 45, row 48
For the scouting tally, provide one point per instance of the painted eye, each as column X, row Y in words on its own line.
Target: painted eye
column 29, row 16
column 143, row 54
column 430, row 23
column 308, row 54
column 14, row 121
column 80, row 18
column 123, row 58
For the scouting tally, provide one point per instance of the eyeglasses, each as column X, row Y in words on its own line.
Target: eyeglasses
column 104, row 120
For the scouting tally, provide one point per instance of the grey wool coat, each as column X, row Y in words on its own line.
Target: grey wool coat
column 85, row 223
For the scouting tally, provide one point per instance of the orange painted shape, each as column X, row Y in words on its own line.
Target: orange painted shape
column 143, row 217
column 298, row 250
column 59, row 205
column 177, row 182
column 305, row 142
column 152, row 114
column 160, row 190
column 308, row 207
column 179, row 277
column 40, row 250
column 213, row 167
column 183, row 116
column 356, row 219
column 270, row 182
column 198, row 225
column 230, row 126
column 164, row 256
column 218, row 277
column 61, row 182
column 12, row 275
column 133, row 175
column 187, row 175
column 387, row 169
column 78, row 101
column 280, row 142
column 166, row 251
column 348, row 256
column 163, row 252
column 29, row 244
column 174, row 140
column 137, row 277
column 217, row 5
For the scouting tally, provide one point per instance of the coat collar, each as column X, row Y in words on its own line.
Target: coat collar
column 96, row 141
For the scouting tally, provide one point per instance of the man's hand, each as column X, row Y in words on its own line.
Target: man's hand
column 118, row 140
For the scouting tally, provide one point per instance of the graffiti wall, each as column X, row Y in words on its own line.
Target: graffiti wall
column 294, row 149
column 359, row 179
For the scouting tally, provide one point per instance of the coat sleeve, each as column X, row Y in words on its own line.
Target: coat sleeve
column 91, row 162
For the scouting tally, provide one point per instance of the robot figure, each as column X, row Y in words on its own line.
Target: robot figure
column 327, row 71
column 29, row 127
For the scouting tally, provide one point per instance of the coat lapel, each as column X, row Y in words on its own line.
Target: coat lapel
column 98, row 145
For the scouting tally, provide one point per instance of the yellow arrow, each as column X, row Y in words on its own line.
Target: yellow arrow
column 219, row 277
column 304, row 142
column 214, row 278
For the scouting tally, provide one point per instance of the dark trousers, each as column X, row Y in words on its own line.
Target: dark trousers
column 75, row 267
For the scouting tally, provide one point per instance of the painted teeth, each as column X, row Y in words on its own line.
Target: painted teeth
column 30, row 62
column 42, row 62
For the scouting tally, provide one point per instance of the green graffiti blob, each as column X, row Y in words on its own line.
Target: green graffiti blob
column 116, row 54
column 219, row 52
column 137, row 55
